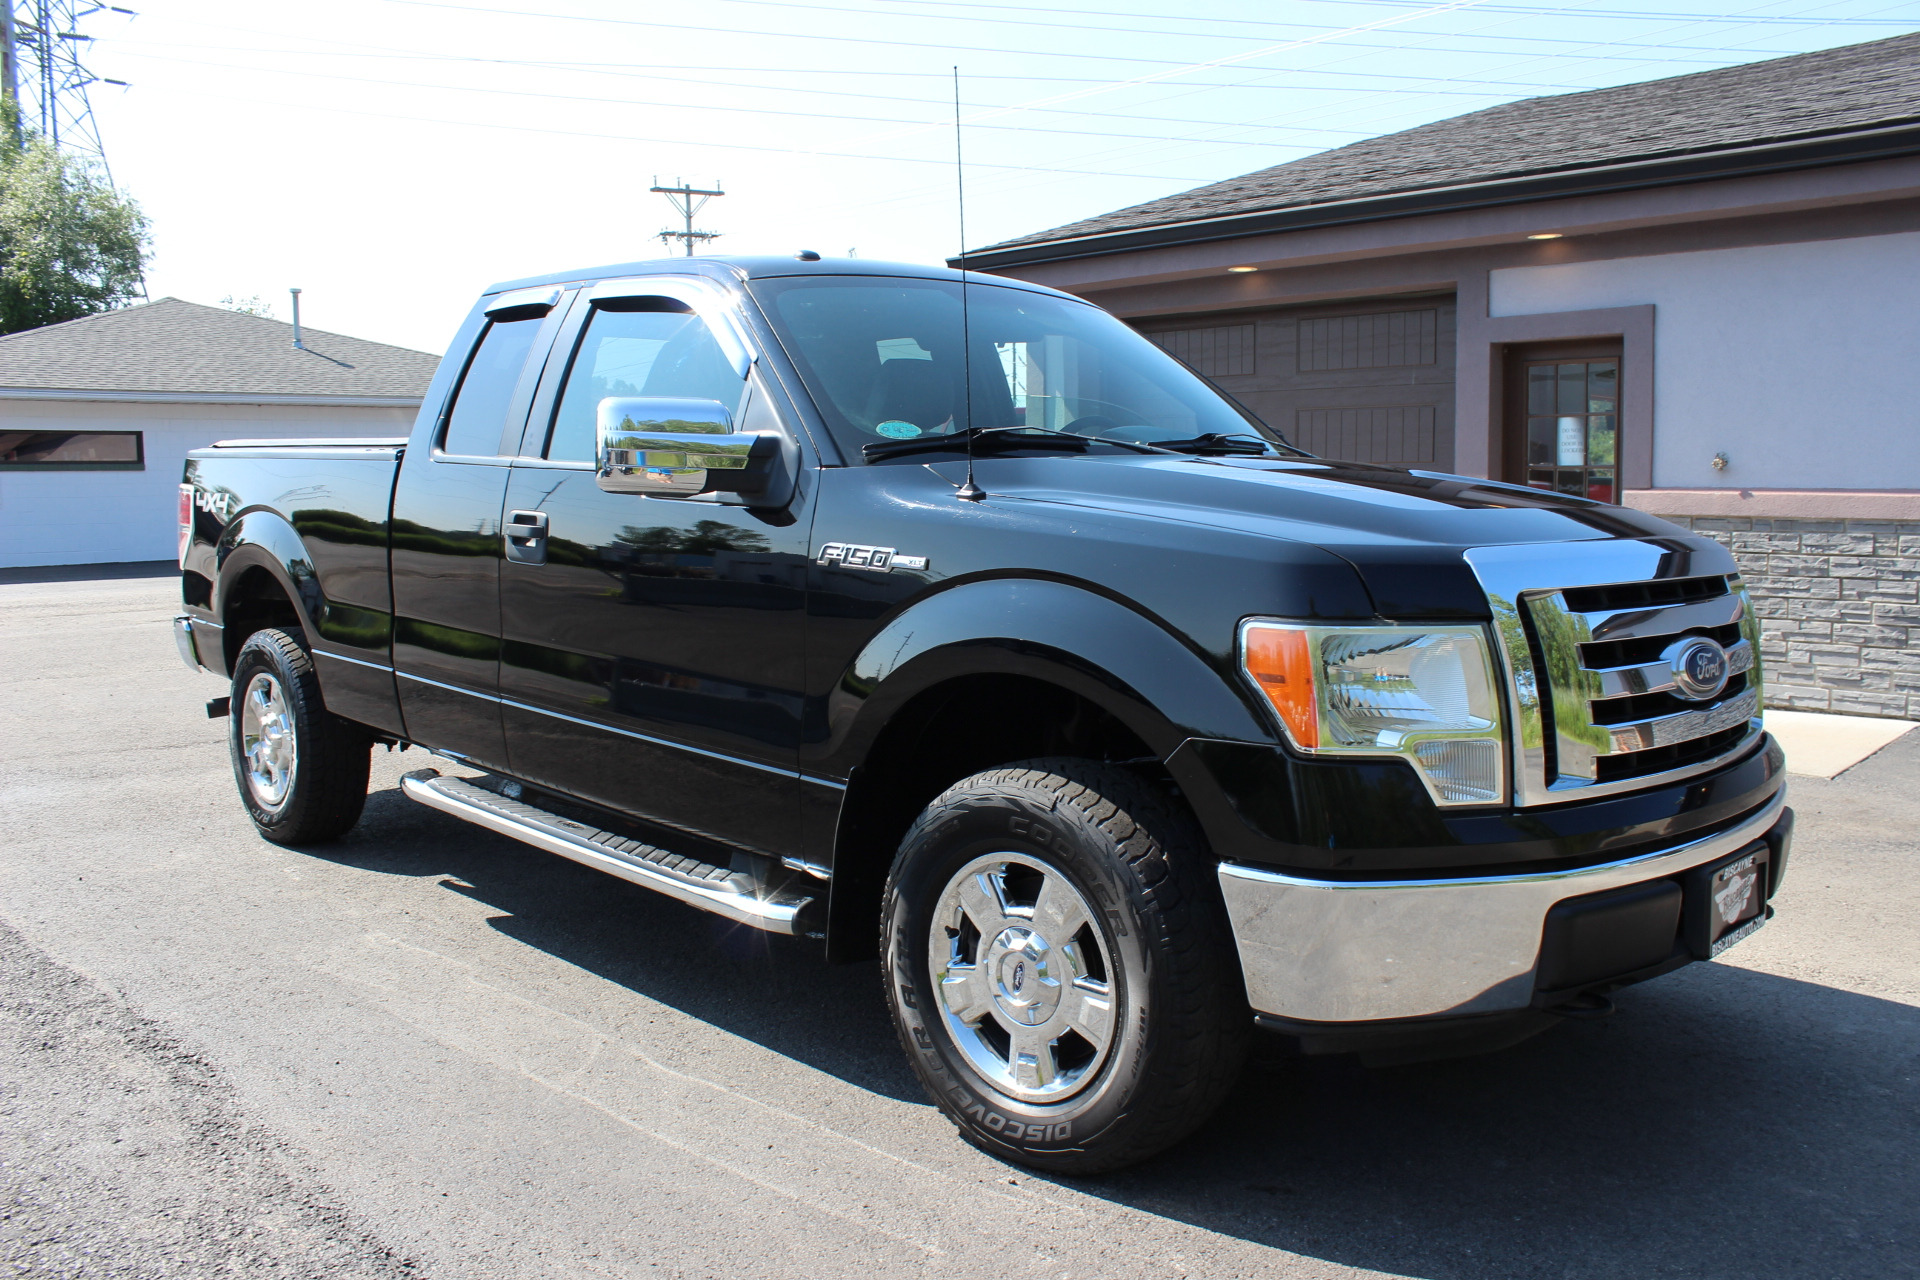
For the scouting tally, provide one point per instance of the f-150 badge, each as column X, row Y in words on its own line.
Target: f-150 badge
column 850, row 555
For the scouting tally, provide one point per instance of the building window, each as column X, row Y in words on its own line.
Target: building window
column 72, row 451
column 1573, row 427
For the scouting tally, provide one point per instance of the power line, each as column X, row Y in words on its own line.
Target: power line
column 1152, row 31
column 756, row 111
column 922, row 44
column 631, row 70
column 1647, row 16
column 627, row 137
column 1228, row 60
column 351, row 47
column 1189, row 91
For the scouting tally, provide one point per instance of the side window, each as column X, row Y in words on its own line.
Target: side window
column 663, row 350
column 486, row 389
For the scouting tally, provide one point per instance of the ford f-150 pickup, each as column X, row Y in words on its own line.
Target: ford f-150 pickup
column 946, row 618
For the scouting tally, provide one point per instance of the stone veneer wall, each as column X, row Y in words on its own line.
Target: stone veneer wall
column 1839, row 605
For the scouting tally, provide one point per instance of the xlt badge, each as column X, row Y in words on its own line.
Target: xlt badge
column 850, row 555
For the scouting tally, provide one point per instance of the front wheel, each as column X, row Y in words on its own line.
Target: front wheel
column 1059, row 966
column 302, row 771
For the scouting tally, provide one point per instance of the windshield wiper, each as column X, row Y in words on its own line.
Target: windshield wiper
column 992, row 438
column 1218, row 444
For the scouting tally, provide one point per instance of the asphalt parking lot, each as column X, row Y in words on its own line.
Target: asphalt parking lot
column 430, row 1051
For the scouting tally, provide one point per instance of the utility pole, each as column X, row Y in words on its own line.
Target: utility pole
column 43, row 60
column 682, row 198
column 9, row 57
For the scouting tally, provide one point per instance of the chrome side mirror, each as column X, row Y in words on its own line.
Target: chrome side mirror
column 669, row 447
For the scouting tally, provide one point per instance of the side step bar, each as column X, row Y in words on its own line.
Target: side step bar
column 732, row 894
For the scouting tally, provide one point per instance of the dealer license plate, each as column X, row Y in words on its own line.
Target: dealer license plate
column 1737, row 901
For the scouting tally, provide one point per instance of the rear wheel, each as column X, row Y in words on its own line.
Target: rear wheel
column 1059, row 967
column 302, row 771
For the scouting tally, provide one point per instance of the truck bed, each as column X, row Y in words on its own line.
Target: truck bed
column 315, row 514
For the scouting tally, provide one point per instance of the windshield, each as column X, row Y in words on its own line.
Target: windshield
column 883, row 359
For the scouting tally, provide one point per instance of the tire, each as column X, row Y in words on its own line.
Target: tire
column 1100, row 1045
column 301, row 770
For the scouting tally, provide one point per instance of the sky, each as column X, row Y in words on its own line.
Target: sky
column 393, row 157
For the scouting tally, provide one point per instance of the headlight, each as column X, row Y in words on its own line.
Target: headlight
column 1424, row 694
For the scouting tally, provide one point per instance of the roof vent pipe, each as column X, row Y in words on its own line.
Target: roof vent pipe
column 297, row 344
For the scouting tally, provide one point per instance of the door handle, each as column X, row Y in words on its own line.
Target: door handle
column 527, row 537
column 525, row 526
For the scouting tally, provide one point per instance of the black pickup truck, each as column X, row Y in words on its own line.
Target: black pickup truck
column 948, row 617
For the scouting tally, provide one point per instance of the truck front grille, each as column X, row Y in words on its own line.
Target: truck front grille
column 1590, row 632
column 1611, row 709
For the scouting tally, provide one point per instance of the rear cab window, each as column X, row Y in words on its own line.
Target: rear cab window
column 489, row 404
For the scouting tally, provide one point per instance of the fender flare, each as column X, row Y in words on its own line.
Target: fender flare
column 1131, row 665
column 263, row 539
column 1136, row 668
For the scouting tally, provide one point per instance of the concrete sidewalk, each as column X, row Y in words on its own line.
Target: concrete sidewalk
column 1819, row 745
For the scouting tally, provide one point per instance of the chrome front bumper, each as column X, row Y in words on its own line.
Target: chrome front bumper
column 1345, row 951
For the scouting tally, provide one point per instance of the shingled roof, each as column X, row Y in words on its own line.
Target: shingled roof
column 1856, row 88
column 183, row 348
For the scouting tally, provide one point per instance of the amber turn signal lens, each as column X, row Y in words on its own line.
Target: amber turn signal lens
column 1281, row 661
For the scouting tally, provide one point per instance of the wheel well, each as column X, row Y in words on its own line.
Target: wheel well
column 942, row 735
column 254, row 603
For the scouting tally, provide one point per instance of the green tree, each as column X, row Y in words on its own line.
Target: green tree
column 252, row 305
column 70, row 244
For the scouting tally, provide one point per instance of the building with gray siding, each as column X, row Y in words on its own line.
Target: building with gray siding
column 97, row 416
column 1694, row 296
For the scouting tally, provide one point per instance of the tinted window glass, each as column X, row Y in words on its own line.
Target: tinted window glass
column 70, row 448
column 480, row 406
column 639, row 353
column 884, row 359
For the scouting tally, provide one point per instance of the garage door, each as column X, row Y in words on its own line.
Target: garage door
column 1365, row 381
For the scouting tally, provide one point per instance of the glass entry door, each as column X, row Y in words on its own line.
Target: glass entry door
column 1573, row 427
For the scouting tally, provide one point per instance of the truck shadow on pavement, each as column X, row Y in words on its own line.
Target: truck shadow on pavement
column 778, row 992
column 1723, row 1123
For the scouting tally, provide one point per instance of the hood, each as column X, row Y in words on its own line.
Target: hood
column 1403, row 531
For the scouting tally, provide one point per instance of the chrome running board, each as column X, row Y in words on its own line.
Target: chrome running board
column 733, row 894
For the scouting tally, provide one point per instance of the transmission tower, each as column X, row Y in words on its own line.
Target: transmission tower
column 45, row 75
column 682, row 198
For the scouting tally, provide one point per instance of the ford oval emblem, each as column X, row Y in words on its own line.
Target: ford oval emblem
column 1019, row 976
column 1699, row 669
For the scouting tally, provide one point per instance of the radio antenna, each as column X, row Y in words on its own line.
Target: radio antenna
column 969, row 492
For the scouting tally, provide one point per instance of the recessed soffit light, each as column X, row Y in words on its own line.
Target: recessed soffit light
column 1546, row 235
column 1242, row 270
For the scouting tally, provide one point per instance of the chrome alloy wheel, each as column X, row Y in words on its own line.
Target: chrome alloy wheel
column 267, row 742
column 1023, row 977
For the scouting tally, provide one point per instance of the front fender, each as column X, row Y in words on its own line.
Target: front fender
column 1127, row 663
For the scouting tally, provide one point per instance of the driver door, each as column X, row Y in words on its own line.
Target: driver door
column 651, row 655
